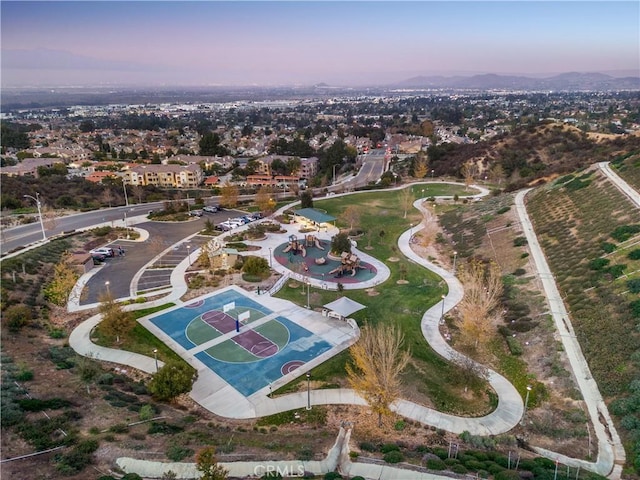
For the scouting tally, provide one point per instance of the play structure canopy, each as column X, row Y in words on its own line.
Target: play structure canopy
column 314, row 215
column 344, row 306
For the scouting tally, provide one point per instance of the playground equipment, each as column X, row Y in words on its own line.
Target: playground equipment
column 348, row 262
column 313, row 241
column 295, row 246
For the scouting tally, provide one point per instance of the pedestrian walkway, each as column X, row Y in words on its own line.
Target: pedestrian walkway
column 611, row 454
column 505, row 417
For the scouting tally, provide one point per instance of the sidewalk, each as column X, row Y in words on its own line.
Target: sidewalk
column 611, row 454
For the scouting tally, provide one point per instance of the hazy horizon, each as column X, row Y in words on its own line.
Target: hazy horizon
column 287, row 43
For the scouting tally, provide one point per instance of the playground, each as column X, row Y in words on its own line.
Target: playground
column 309, row 256
column 245, row 343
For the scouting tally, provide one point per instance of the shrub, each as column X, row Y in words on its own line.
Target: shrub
column 503, row 210
column 393, row 457
column 17, row 316
column 634, row 254
column 146, row 412
column 598, row 263
column 634, row 285
column 78, row 458
column 177, row 453
column 367, row 447
column 519, row 272
column 608, row 247
column 436, row 464
column 625, row 232
column 519, row 241
column 389, row 447
column 400, row 425
column 332, row 476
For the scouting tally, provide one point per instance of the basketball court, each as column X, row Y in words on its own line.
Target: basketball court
column 247, row 344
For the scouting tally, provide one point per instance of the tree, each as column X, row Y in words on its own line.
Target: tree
column 115, row 321
column 351, row 215
column 229, row 195
column 174, row 379
column 406, row 200
column 256, row 266
column 64, row 279
column 16, row 317
column 306, row 199
column 207, row 463
column 88, row 370
column 469, row 171
column 496, row 174
column 479, row 307
column 378, row 360
column 210, row 145
column 420, row 166
column 264, row 200
column 340, row 243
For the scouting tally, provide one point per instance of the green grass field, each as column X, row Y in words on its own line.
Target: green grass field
column 428, row 378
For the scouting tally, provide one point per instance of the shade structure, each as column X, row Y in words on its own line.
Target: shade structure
column 344, row 306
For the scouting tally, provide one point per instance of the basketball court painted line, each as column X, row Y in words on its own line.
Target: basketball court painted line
column 230, row 335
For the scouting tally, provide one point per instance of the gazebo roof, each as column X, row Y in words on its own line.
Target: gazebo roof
column 344, row 306
column 314, row 215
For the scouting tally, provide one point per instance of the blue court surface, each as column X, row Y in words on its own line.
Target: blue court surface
column 266, row 347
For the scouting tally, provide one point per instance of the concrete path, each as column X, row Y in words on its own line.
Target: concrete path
column 620, row 184
column 611, row 454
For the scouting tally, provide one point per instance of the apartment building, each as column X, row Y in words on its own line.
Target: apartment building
column 167, row 176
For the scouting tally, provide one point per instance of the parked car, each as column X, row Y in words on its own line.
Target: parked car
column 106, row 251
column 195, row 213
column 211, row 209
column 256, row 216
column 225, row 226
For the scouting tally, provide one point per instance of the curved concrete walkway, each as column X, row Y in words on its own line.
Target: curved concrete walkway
column 510, row 405
column 611, row 454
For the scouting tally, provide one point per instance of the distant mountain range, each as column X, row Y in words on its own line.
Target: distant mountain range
column 565, row 82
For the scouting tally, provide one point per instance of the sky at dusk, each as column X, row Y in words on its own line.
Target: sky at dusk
column 357, row 43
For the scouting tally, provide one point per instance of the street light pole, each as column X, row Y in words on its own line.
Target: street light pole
column 432, row 174
column 455, row 254
column 308, row 391
column 270, row 263
column 155, row 356
column 126, row 199
column 442, row 314
column 106, row 284
column 308, row 289
column 189, row 253
column 39, row 207
column 334, row 175
column 526, row 403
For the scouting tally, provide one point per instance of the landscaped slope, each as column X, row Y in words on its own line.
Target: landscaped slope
column 588, row 230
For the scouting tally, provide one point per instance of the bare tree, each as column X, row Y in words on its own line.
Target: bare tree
column 406, row 200
column 478, row 309
column 351, row 215
column 469, row 171
column 107, row 196
column 378, row 360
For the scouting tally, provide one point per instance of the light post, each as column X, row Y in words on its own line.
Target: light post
column 189, row 253
column 308, row 391
column 526, row 403
column 38, row 205
column 455, row 254
column 270, row 262
column 410, row 231
column 106, row 284
column 442, row 314
column 126, row 199
column 308, row 289
column 155, row 356
column 432, row 171
column 334, row 175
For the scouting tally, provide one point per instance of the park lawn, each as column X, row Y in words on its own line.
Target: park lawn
column 138, row 339
column 428, row 377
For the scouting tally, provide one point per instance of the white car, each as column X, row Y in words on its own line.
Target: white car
column 107, row 252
